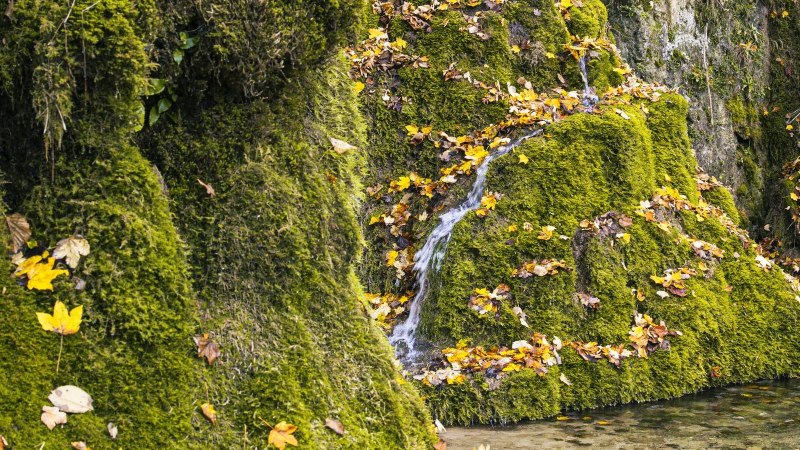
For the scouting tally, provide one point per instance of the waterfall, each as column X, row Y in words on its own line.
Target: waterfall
column 428, row 260
column 589, row 97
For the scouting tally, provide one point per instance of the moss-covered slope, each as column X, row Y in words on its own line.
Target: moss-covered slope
column 587, row 164
column 242, row 96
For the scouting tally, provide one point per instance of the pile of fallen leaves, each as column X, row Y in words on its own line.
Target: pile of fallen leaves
column 674, row 281
column 537, row 353
column 485, row 302
column 385, row 308
column 539, row 268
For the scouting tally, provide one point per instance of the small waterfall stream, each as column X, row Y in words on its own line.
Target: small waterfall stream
column 589, row 97
column 429, row 258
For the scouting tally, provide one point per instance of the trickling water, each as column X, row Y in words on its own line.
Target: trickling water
column 589, row 98
column 429, row 259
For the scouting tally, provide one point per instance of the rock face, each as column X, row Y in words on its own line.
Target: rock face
column 734, row 63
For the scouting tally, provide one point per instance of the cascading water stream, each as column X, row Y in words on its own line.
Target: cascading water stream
column 429, row 258
column 589, row 98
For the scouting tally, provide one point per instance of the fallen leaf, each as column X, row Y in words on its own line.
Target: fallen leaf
column 52, row 416
column 622, row 114
column 562, row 418
column 20, row 231
column 210, row 413
column 602, row 422
column 79, row 445
column 341, row 146
column 358, row 87
column 439, row 427
column 209, row 189
column 71, row 399
column 206, row 348
column 41, row 276
column 565, row 380
column 3, row 442
column 335, row 425
column 281, row 434
column 61, row 322
column 112, row 430
column 71, row 249
column 441, row 445
column 523, row 159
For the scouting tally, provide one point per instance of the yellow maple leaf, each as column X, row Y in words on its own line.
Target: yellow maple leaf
column 61, row 321
column 40, row 276
column 546, row 233
column 358, row 87
column 391, row 257
column 27, row 264
column 522, row 159
column 281, row 434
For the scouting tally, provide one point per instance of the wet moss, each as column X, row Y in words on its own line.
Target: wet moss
column 588, row 166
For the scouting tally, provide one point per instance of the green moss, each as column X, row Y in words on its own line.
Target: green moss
column 588, row 166
column 277, row 247
column 588, row 20
column 133, row 353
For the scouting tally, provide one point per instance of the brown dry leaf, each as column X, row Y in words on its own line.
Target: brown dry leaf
column 441, row 445
column 335, row 425
column 52, row 416
column 281, row 435
column 210, row 413
column 3, row 442
column 20, row 231
column 209, row 189
column 341, row 146
column 206, row 348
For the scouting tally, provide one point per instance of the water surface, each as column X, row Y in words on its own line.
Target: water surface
column 764, row 415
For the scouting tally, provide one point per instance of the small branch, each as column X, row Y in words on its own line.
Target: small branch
column 60, row 347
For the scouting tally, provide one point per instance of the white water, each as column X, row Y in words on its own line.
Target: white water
column 589, row 97
column 429, row 258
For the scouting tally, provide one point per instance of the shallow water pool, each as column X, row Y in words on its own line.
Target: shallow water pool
column 764, row 415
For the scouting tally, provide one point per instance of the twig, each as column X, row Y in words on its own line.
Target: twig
column 60, row 347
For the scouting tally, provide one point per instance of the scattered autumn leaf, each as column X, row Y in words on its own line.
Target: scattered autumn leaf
column 3, row 442
column 209, row 189
column 61, row 321
column 523, row 159
column 565, row 380
column 282, row 434
column 546, row 233
column 112, row 430
column 71, row 249
column 79, row 445
column 71, row 399
column 335, row 425
column 210, row 413
column 52, row 416
column 20, row 231
column 341, row 146
column 41, row 276
column 441, row 445
column 206, row 348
